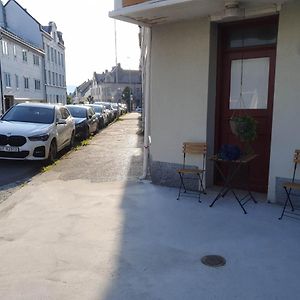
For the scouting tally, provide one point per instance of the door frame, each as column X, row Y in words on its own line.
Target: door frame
column 223, row 28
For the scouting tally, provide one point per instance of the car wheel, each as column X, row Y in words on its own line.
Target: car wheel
column 72, row 140
column 98, row 127
column 86, row 133
column 52, row 152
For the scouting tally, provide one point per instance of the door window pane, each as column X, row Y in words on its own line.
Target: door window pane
column 255, row 83
column 252, row 36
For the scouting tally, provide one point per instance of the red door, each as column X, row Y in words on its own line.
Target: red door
column 246, row 87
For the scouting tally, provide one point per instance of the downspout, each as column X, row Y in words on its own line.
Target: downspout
column 1, row 82
column 147, row 105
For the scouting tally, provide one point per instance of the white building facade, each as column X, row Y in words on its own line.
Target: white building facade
column 195, row 50
column 25, row 63
column 55, row 71
column 22, row 71
column 109, row 85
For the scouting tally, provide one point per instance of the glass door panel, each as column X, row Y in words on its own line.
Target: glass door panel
column 249, row 84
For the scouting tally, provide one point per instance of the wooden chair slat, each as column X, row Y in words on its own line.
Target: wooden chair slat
column 190, row 171
column 194, row 148
column 297, row 156
column 291, row 185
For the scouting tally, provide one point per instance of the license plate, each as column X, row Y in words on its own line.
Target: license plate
column 9, row 149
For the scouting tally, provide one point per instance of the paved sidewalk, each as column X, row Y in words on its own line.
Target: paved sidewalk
column 70, row 235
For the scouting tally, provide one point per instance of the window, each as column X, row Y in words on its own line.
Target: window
column 252, row 93
column 30, row 114
column 36, row 60
column 56, row 79
column 7, row 80
column 62, row 60
column 256, row 35
column 17, row 81
column 49, row 77
column 60, row 83
column 53, row 78
column 15, row 50
column 52, row 55
column 55, row 56
column 64, row 112
column 48, row 53
column 4, row 48
column 26, row 82
column 37, row 84
column 24, row 55
column 58, row 58
column 90, row 113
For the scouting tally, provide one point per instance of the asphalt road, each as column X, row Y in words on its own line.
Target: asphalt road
column 112, row 155
column 16, row 172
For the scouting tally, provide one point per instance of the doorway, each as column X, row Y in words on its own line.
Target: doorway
column 8, row 102
column 246, row 74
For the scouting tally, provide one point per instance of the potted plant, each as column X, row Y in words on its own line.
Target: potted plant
column 245, row 128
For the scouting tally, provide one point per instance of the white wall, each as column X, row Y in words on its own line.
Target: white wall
column 179, row 87
column 52, row 90
column 14, row 65
column 286, row 117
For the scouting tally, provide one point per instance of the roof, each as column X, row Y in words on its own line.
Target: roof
column 36, row 104
column 82, row 106
column 99, row 77
column 84, row 87
column 48, row 29
column 20, row 40
column 117, row 74
column 126, row 76
column 24, row 9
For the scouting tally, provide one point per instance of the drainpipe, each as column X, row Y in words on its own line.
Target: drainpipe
column 147, row 104
column 1, row 82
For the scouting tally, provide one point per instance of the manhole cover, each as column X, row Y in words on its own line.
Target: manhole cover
column 213, row 260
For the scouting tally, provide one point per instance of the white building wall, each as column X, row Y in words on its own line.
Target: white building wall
column 286, row 121
column 179, row 87
column 55, row 90
column 13, row 64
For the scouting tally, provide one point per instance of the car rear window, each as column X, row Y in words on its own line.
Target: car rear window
column 30, row 114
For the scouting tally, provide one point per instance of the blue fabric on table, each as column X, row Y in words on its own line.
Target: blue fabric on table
column 229, row 152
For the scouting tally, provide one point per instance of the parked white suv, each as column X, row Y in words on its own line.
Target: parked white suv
column 35, row 131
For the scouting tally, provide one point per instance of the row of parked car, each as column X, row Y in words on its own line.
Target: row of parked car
column 36, row 131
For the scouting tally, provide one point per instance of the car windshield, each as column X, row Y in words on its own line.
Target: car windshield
column 97, row 109
column 77, row 112
column 30, row 114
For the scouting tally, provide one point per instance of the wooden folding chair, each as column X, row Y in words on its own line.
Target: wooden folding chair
column 291, row 185
column 192, row 149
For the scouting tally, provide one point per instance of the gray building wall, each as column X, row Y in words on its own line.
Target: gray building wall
column 22, row 24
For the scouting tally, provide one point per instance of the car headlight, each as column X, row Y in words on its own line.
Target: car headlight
column 39, row 137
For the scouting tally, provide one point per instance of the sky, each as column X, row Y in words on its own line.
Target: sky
column 88, row 34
